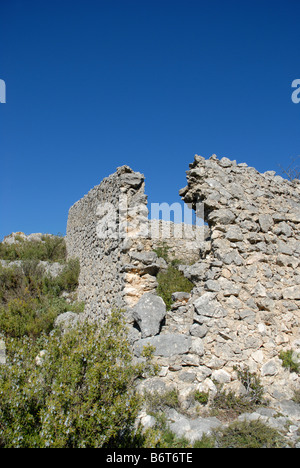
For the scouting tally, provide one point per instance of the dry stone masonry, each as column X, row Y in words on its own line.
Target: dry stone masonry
column 247, row 292
column 244, row 308
column 109, row 231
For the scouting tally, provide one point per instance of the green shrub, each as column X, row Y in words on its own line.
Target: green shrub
column 172, row 281
column 32, row 317
column 201, row 397
column 68, row 279
column 206, row 441
column 163, row 436
column 12, row 284
column 227, row 402
column 296, row 397
column 288, row 361
column 51, row 248
column 162, row 251
column 253, row 434
column 30, row 301
column 81, row 396
column 170, row 440
column 157, row 401
column 253, row 387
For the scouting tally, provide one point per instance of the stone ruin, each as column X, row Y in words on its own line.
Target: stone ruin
column 244, row 263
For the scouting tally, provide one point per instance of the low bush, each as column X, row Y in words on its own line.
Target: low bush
column 253, row 434
column 161, row 436
column 12, row 284
column 32, row 317
column 172, row 281
column 82, row 395
column 157, row 401
column 50, row 248
column 288, row 361
column 162, row 251
column 296, row 397
column 230, row 405
column 30, row 301
column 201, row 397
column 68, row 279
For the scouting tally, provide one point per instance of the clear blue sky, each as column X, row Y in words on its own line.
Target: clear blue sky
column 95, row 84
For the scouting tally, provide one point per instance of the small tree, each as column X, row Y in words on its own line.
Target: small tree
column 292, row 172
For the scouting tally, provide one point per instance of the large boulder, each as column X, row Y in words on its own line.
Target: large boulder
column 167, row 345
column 149, row 313
column 66, row 321
column 192, row 429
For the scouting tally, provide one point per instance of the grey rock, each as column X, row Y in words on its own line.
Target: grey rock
column 194, row 272
column 221, row 376
column 52, row 269
column 146, row 258
column 207, row 306
column 133, row 335
column 222, row 216
column 187, row 376
column 212, row 285
column 147, row 421
column 133, row 180
column 170, row 344
column 232, row 257
column 192, row 429
column 289, row 409
column 277, row 422
column 229, row 288
column 234, row 234
column 149, row 313
column 247, row 315
column 2, row 352
column 225, row 162
column 179, row 424
column 271, row 367
column 66, row 321
column 292, row 292
column 266, row 222
column 201, row 426
column 294, row 216
column 46, row 268
column 180, row 296
column 155, row 385
column 197, row 346
column 199, row 331
column 283, row 228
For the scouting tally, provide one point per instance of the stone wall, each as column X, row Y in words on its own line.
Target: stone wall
column 109, row 231
column 94, row 235
column 244, row 308
column 246, row 298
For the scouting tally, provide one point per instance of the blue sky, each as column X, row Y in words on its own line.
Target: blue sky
column 92, row 85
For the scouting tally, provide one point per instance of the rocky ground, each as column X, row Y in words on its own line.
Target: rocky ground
column 192, row 424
